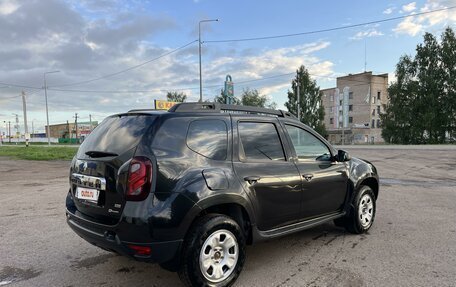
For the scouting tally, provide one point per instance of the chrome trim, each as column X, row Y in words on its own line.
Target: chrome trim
column 89, row 181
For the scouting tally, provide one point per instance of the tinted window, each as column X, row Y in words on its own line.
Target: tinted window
column 259, row 141
column 307, row 146
column 116, row 134
column 208, row 138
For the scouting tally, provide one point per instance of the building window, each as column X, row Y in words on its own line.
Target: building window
column 331, row 98
column 373, row 112
column 373, row 124
column 350, row 95
column 373, row 99
column 378, row 95
column 350, row 120
column 350, row 108
column 378, row 110
column 379, row 125
column 332, row 109
column 331, row 121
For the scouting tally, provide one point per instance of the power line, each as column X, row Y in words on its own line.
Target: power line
column 195, row 88
column 20, row 86
column 130, row 68
column 329, row 29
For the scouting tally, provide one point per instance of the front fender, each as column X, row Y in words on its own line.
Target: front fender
column 361, row 170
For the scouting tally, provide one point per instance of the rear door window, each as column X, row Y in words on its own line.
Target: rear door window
column 208, row 138
column 259, row 141
column 116, row 134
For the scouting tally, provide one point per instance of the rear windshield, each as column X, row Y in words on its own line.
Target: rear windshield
column 116, row 134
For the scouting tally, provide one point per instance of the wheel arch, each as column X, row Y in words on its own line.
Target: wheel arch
column 235, row 207
column 372, row 182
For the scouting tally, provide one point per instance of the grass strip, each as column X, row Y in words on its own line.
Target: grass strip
column 38, row 152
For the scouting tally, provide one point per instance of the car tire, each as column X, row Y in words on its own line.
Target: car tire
column 213, row 253
column 362, row 211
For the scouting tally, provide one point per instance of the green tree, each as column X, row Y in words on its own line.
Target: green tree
column 422, row 103
column 176, row 97
column 312, row 112
column 254, row 99
column 222, row 99
column 448, row 58
column 399, row 112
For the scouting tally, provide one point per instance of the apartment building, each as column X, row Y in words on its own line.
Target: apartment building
column 353, row 108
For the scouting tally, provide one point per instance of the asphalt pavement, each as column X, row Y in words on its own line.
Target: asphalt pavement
column 412, row 241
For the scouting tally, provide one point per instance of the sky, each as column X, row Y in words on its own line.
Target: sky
column 87, row 40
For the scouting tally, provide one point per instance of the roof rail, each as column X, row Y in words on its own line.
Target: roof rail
column 195, row 107
column 142, row 110
column 217, row 108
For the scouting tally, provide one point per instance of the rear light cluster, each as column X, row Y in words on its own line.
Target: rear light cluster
column 139, row 179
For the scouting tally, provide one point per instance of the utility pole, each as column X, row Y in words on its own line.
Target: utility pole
column 199, row 42
column 69, row 131
column 365, row 55
column 16, row 126
column 6, row 129
column 48, row 130
column 24, row 108
column 76, row 125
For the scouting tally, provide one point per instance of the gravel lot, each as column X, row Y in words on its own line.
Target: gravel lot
column 412, row 242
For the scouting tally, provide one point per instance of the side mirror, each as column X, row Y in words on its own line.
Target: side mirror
column 343, row 156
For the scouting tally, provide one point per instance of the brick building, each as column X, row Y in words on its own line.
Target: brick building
column 68, row 130
column 352, row 109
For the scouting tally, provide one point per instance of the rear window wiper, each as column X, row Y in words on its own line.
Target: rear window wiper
column 95, row 153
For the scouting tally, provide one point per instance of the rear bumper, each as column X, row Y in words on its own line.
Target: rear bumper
column 105, row 238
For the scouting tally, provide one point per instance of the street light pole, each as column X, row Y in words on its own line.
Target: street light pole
column 199, row 42
column 9, row 131
column 47, row 112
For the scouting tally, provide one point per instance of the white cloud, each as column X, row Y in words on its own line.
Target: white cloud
column 388, row 10
column 367, row 34
column 392, row 78
column 55, row 36
column 271, row 62
column 415, row 25
column 8, row 6
column 409, row 26
column 409, row 7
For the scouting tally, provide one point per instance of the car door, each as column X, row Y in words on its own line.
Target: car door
column 324, row 180
column 270, row 179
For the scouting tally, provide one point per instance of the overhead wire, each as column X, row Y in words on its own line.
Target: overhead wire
column 20, row 86
column 128, row 69
column 330, row 29
column 220, row 41
column 161, row 89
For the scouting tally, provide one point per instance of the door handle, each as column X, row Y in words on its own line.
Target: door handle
column 308, row 177
column 252, row 179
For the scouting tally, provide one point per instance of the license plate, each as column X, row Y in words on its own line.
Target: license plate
column 89, row 194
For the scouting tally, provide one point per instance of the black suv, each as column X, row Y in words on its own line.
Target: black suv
column 188, row 188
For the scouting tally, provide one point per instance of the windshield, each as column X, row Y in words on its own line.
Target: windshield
column 116, row 134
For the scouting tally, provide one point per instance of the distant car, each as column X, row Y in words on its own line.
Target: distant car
column 190, row 187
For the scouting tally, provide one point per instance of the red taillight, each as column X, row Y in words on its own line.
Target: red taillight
column 139, row 179
column 140, row 250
